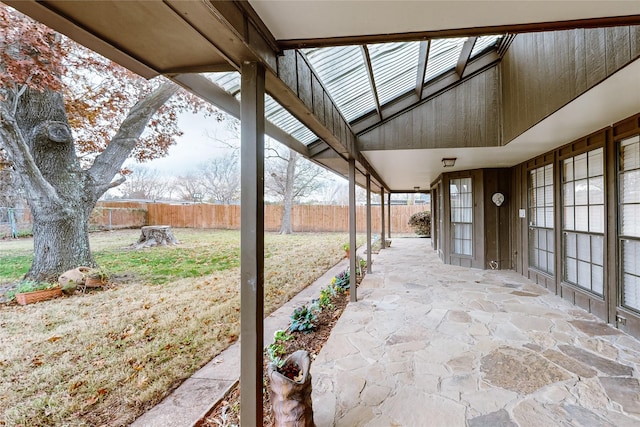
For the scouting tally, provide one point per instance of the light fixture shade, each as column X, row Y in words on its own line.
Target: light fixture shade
column 416, row 188
column 448, row 162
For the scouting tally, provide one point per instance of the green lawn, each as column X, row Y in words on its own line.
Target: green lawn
column 103, row 358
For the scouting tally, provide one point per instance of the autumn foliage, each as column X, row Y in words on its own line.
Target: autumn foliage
column 98, row 93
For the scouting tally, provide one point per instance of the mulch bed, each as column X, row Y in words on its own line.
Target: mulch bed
column 226, row 412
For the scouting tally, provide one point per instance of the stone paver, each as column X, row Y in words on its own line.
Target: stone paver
column 429, row 344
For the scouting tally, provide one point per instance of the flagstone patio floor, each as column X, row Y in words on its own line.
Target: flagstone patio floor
column 429, row 344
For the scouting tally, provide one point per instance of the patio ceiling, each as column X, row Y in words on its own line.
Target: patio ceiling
column 372, row 59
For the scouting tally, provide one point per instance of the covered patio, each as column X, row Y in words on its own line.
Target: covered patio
column 522, row 120
column 441, row 345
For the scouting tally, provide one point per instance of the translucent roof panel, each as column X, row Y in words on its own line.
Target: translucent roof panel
column 443, row 56
column 395, row 66
column 229, row 81
column 483, row 43
column 273, row 111
column 344, row 74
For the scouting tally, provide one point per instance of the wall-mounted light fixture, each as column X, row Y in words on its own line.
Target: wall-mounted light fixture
column 448, row 162
column 416, row 189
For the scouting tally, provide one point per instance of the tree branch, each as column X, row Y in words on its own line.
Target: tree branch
column 117, row 182
column 108, row 163
column 18, row 151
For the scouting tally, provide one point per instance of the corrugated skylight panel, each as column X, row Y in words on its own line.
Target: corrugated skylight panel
column 273, row 111
column 395, row 66
column 276, row 114
column 229, row 81
column 443, row 56
column 483, row 43
column 344, row 74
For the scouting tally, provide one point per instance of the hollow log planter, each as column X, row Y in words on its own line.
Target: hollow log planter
column 290, row 399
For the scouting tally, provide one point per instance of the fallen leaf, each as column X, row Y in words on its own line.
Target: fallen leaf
column 54, row 338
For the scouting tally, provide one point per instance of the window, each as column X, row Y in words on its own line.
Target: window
column 541, row 236
column 583, row 220
column 629, row 221
column 461, row 216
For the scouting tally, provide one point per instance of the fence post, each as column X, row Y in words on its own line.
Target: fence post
column 12, row 222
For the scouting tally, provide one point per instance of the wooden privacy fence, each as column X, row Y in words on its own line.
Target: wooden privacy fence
column 110, row 215
column 314, row 218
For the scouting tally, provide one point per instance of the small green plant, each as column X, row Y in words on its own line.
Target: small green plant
column 276, row 350
column 345, row 247
column 29, row 286
column 343, row 281
column 282, row 336
column 324, row 301
column 303, row 319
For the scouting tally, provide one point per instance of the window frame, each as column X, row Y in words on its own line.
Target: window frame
column 571, row 230
column 464, row 208
column 548, row 227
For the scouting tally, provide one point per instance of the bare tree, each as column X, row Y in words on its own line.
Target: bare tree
column 189, row 187
column 220, row 178
column 290, row 178
column 144, row 183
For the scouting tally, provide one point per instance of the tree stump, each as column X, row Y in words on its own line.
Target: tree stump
column 155, row 235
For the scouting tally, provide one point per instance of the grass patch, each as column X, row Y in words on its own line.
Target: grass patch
column 103, row 358
column 13, row 267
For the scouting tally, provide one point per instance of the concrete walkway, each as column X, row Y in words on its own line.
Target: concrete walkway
column 434, row 345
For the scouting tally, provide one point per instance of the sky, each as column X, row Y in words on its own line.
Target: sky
column 197, row 145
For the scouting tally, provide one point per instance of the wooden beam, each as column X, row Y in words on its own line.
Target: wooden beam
column 423, row 60
column 382, row 237
column 252, row 244
column 369, row 224
column 353, row 286
column 217, row 96
column 465, row 54
column 372, row 82
column 389, row 214
column 613, row 21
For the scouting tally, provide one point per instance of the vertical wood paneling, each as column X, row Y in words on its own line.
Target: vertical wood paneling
column 634, row 42
column 287, row 69
column 618, row 52
column 548, row 70
column 305, row 91
column 467, row 115
column 596, row 55
column 580, row 61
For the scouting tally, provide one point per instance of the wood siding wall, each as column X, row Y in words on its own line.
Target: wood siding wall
column 548, row 70
column 467, row 115
column 607, row 307
column 306, row 218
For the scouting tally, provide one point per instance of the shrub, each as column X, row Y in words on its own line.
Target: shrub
column 303, row 319
column 421, row 223
column 342, row 281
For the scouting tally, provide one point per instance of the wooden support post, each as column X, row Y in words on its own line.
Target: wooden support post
column 368, row 223
column 389, row 215
column 252, row 243
column 352, row 230
column 383, row 239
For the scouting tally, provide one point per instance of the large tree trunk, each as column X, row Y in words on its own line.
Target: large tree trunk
column 60, row 193
column 60, row 243
column 287, row 210
column 62, row 204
